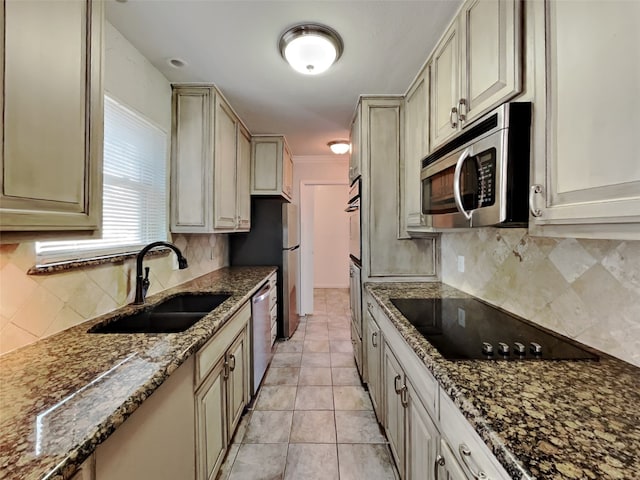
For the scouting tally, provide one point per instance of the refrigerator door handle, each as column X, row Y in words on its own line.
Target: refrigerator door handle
column 291, row 249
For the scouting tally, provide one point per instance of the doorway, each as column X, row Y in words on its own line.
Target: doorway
column 324, row 239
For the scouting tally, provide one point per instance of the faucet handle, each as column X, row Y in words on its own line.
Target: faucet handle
column 145, row 283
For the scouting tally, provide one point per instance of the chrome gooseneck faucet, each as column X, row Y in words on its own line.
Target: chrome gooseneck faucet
column 142, row 283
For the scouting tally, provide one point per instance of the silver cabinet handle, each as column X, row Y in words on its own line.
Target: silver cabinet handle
column 535, row 189
column 474, row 470
column 395, row 384
column 404, row 396
column 373, row 339
column 457, row 173
column 225, row 369
column 436, row 466
column 369, row 305
column 232, row 366
column 462, row 103
column 453, row 122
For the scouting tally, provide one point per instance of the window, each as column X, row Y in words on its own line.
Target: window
column 134, row 207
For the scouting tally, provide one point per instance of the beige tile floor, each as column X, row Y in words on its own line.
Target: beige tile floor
column 312, row 418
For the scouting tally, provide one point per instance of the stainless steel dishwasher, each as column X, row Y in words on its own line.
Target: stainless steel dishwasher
column 260, row 336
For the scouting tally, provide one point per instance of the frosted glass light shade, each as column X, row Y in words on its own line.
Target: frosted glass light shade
column 310, row 49
column 339, row 147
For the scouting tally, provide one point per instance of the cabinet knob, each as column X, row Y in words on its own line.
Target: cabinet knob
column 535, row 189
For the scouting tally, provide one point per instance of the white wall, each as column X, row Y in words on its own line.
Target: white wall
column 317, row 168
column 330, row 237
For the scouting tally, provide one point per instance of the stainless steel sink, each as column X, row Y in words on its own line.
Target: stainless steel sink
column 173, row 315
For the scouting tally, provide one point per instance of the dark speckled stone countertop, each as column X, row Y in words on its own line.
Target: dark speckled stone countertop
column 541, row 419
column 62, row 396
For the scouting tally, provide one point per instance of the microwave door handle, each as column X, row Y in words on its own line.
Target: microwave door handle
column 457, row 195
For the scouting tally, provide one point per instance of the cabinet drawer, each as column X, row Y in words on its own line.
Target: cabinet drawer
column 214, row 349
column 463, row 438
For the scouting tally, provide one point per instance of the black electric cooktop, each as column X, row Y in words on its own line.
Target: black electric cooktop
column 469, row 329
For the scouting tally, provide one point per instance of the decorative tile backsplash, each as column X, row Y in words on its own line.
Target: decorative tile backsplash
column 585, row 289
column 36, row 306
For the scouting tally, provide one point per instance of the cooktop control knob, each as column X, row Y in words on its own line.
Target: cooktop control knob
column 503, row 349
column 519, row 349
column 487, row 348
column 535, row 348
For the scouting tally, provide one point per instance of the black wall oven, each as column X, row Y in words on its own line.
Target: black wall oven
column 481, row 177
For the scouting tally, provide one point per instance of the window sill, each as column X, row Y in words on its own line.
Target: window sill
column 91, row 262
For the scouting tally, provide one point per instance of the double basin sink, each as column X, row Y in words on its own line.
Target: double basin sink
column 173, row 315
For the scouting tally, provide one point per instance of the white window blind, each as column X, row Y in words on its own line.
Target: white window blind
column 134, row 210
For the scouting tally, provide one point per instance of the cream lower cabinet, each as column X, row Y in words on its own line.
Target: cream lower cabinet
column 586, row 172
column 158, row 439
column 271, row 167
column 428, row 436
column 209, row 165
column 51, row 115
column 371, row 340
column 222, row 392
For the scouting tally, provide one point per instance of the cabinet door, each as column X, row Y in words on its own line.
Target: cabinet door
column 191, row 160
column 592, row 173
column 422, row 439
column 237, row 381
column 225, row 167
column 287, row 172
column 373, row 348
column 491, row 70
column 448, row 467
column 394, row 410
column 211, row 431
column 243, row 174
column 416, row 139
column 51, row 115
column 355, row 156
column 445, row 88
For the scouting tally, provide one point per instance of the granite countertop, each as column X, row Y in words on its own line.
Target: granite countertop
column 541, row 419
column 64, row 395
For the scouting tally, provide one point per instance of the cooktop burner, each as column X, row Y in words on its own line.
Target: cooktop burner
column 466, row 328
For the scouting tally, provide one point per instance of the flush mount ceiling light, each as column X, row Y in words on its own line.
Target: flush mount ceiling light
column 310, row 48
column 339, row 147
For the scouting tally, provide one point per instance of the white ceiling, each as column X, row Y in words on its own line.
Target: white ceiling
column 234, row 44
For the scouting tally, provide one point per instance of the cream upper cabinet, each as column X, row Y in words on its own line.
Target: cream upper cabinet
column 224, row 176
column 384, row 254
column 205, row 163
column 243, row 172
column 444, row 87
column 416, row 143
column 586, row 176
column 476, row 66
column 51, row 115
column 354, row 155
column 271, row 166
column 490, row 56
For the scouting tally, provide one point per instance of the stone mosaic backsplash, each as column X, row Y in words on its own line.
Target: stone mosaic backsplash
column 37, row 306
column 585, row 289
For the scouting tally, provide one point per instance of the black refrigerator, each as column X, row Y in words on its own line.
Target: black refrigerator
column 273, row 240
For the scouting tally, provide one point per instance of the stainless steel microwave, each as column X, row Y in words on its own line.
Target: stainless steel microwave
column 481, row 177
